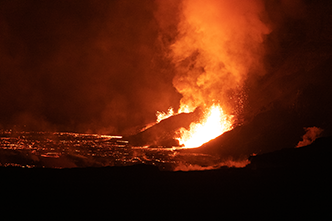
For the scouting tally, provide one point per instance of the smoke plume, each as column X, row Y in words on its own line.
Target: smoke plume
column 218, row 44
column 312, row 133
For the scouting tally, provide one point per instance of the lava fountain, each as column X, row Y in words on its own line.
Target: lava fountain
column 217, row 46
column 214, row 123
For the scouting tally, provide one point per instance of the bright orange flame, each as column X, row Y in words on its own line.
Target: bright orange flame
column 215, row 123
column 163, row 115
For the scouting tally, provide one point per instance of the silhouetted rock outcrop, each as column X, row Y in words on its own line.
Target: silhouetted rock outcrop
column 316, row 155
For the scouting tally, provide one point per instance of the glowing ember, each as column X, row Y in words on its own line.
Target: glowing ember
column 215, row 123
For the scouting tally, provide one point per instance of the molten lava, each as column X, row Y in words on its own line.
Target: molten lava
column 164, row 115
column 214, row 123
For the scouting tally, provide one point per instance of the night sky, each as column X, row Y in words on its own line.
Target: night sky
column 102, row 66
column 82, row 65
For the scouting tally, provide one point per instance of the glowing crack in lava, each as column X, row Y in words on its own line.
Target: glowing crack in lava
column 215, row 123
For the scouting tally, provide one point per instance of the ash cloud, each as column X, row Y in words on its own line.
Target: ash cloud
column 82, row 65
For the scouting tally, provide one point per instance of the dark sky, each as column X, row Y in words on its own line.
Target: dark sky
column 82, row 65
column 99, row 66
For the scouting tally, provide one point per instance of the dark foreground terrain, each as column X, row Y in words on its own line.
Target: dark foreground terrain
column 296, row 180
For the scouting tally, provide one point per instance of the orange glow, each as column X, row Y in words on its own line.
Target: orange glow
column 215, row 123
column 228, row 163
column 312, row 133
column 219, row 43
column 163, row 115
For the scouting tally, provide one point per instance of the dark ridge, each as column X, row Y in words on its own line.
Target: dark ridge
column 316, row 155
column 287, row 179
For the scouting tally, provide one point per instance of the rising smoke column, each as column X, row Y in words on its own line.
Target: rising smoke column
column 218, row 44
